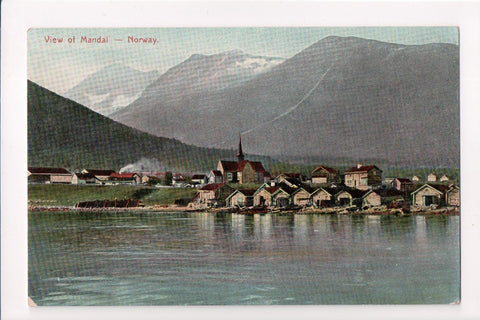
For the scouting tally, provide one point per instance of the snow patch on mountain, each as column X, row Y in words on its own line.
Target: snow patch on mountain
column 124, row 100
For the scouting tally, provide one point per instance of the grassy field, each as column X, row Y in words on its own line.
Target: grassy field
column 69, row 195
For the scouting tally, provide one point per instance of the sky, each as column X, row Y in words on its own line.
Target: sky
column 60, row 66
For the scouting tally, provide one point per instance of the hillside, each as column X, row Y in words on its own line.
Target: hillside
column 64, row 133
column 341, row 99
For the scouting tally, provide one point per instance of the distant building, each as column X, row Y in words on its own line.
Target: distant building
column 416, row 179
column 199, row 179
column 49, row 175
column 214, row 176
column 452, row 196
column 101, row 175
column 213, row 195
column 432, row 177
column 403, row 184
column 124, row 178
column 84, row 178
column 323, row 175
column 429, row 194
column 444, row 178
column 363, row 177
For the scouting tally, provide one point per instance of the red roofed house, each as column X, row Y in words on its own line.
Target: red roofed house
column 363, row 177
column 242, row 171
column 324, row 174
column 49, row 175
column 124, row 178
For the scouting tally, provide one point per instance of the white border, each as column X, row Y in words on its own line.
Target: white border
column 18, row 16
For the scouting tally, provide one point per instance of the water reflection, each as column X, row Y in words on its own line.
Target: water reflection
column 226, row 258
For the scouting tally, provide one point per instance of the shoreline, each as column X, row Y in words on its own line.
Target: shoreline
column 447, row 211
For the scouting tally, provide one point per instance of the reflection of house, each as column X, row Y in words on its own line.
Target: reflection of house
column 213, row 194
column 323, row 174
column 363, row 177
column 429, row 194
column 49, row 175
column 84, row 178
column 240, row 198
column 452, row 196
column 402, row 184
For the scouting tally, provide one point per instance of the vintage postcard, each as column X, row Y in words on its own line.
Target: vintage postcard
column 184, row 163
column 238, row 166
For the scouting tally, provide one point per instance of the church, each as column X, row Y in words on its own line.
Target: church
column 240, row 171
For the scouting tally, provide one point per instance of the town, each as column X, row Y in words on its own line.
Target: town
column 246, row 185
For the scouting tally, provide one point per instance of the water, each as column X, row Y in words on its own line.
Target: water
column 207, row 259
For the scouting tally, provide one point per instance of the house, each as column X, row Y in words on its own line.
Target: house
column 84, row 178
column 322, row 198
column 214, row 176
column 444, row 178
column 416, row 179
column 263, row 195
column 49, row 175
column 213, row 195
column 124, row 178
column 363, row 177
column 302, row 196
column 432, row 177
column 199, row 179
column 240, row 198
column 343, row 198
column 101, row 175
column 179, row 181
column 151, row 179
column 402, row 184
column 370, row 199
column 242, row 171
column 291, row 182
column 429, row 194
column 452, row 196
column 323, row 174
column 282, row 196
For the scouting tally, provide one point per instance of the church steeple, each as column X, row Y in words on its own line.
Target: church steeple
column 240, row 156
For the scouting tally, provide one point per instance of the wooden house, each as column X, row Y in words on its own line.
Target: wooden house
column 371, row 199
column 213, row 194
column 323, row 175
column 49, row 175
column 263, row 195
column 363, row 177
column 282, row 197
column 343, row 198
column 452, row 196
column 214, row 176
column 302, row 196
column 322, row 198
column 402, row 184
column 428, row 195
column 240, row 198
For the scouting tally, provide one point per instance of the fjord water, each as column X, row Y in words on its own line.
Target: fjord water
column 206, row 259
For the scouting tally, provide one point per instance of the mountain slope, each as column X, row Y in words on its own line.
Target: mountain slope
column 111, row 88
column 64, row 133
column 346, row 98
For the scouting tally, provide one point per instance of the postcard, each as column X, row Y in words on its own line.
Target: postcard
column 217, row 165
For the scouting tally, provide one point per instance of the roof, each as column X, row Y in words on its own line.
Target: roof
column 256, row 165
column 85, row 175
column 123, row 175
column 216, row 173
column 211, row 186
column 271, row 190
column 247, row 192
column 404, row 180
column 330, row 170
column 361, row 169
column 198, row 176
column 439, row 187
column 229, row 166
column 39, row 170
column 100, row 172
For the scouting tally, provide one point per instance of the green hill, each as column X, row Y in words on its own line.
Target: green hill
column 64, row 133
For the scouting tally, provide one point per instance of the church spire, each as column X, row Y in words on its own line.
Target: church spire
column 240, row 156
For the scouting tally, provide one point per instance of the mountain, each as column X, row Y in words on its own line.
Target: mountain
column 64, row 133
column 111, row 88
column 341, row 98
